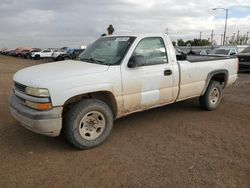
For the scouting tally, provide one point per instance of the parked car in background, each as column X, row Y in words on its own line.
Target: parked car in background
column 61, row 57
column 224, row 51
column 74, row 53
column 27, row 55
column 11, row 52
column 71, row 54
column 57, row 54
column 42, row 54
column 244, row 59
column 240, row 48
column 3, row 50
column 18, row 51
column 199, row 52
column 23, row 53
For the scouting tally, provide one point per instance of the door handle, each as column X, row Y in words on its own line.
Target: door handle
column 167, row 72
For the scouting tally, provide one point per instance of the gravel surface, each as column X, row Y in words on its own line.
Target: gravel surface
column 178, row 145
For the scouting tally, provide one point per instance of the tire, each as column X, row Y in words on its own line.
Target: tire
column 212, row 97
column 84, row 130
column 37, row 57
column 66, row 58
column 59, row 58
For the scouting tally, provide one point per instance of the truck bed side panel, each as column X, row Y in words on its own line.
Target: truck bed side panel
column 194, row 75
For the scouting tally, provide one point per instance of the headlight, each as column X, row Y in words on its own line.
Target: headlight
column 37, row 92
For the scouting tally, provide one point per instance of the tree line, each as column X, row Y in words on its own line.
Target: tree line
column 194, row 42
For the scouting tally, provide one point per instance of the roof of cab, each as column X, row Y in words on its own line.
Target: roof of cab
column 137, row 35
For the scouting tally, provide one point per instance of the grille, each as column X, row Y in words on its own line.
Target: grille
column 21, row 100
column 19, row 87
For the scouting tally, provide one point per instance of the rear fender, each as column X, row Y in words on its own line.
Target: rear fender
column 214, row 73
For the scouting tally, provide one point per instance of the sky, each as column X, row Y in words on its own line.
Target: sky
column 58, row 23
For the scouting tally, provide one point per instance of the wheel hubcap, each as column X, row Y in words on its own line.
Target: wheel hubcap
column 214, row 96
column 92, row 125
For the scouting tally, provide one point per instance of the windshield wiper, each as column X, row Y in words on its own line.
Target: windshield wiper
column 93, row 60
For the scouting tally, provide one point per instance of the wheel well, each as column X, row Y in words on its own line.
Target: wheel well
column 104, row 96
column 220, row 77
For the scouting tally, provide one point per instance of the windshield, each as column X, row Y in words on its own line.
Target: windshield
column 220, row 51
column 107, row 50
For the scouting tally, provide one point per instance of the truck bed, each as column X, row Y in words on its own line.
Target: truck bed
column 201, row 58
column 196, row 69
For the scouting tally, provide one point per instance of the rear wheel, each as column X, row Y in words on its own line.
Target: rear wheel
column 212, row 97
column 37, row 57
column 88, row 123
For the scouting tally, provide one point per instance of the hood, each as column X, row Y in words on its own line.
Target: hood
column 36, row 76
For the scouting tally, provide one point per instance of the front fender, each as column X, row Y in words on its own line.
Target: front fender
column 60, row 97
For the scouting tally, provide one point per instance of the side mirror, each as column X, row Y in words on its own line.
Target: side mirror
column 136, row 61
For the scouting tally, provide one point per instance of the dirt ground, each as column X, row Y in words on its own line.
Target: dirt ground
column 178, row 145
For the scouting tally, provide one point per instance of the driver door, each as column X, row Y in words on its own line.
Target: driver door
column 149, row 84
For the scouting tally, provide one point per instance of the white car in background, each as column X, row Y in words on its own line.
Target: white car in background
column 57, row 53
column 42, row 54
column 224, row 51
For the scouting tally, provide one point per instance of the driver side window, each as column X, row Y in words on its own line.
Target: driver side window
column 153, row 51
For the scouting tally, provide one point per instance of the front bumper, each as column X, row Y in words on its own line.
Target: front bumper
column 48, row 123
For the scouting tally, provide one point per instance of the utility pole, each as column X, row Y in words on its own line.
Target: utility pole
column 247, row 37
column 221, row 39
column 200, row 35
column 243, row 39
column 238, row 36
column 212, row 37
column 225, row 29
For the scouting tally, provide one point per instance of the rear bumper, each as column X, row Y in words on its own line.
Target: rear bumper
column 48, row 123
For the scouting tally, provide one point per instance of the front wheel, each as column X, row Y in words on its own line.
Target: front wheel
column 88, row 123
column 37, row 57
column 212, row 97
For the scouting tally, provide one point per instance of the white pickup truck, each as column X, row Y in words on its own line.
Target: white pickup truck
column 114, row 77
column 42, row 54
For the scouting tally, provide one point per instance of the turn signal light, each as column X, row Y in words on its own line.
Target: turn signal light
column 39, row 106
